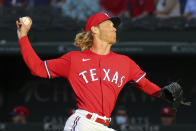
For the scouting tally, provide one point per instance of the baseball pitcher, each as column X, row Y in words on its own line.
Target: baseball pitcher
column 96, row 74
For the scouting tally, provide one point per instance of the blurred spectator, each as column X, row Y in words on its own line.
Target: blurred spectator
column 57, row 4
column 114, row 8
column 141, row 8
column 190, row 9
column 121, row 119
column 19, row 115
column 167, row 8
column 167, row 116
column 1, row 6
column 182, row 5
column 80, row 10
column 16, row 3
column 39, row 3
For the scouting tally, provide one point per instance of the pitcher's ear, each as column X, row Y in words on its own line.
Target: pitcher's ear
column 94, row 29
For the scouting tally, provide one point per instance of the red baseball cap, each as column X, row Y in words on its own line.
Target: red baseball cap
column 99, row 18
column 20, row 110
column 167, row 111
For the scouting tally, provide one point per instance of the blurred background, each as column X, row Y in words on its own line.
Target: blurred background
column 159, row 35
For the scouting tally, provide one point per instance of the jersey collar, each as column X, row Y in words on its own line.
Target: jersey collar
column 95, row 54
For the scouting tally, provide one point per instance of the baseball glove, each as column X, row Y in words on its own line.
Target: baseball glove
column 173, row 93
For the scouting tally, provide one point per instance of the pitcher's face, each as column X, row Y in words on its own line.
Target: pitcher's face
column 107, row 32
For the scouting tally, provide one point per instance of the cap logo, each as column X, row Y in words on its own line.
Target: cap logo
column 166, row 110
column 106, row 14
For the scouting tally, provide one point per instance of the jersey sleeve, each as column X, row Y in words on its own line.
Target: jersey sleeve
column 32, row 60
column 148, row 87
column 135, row 73
column 58, row 67
column 47, row 69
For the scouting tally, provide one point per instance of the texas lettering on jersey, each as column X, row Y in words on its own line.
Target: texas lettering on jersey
column 118, row 80
column 95, row 79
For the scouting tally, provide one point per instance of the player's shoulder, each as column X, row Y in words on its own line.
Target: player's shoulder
column 70, row 54
column 120, row 56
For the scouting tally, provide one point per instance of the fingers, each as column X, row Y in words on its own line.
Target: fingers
column 18, row 24
column 23, row 26
column 24, row 23
column 21, row 21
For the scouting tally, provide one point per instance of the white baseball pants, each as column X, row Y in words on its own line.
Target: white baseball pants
column 79, row 122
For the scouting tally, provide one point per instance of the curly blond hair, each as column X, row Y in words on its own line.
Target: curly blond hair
column 84, row 40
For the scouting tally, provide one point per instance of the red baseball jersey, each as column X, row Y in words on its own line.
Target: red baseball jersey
column 96, row 79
